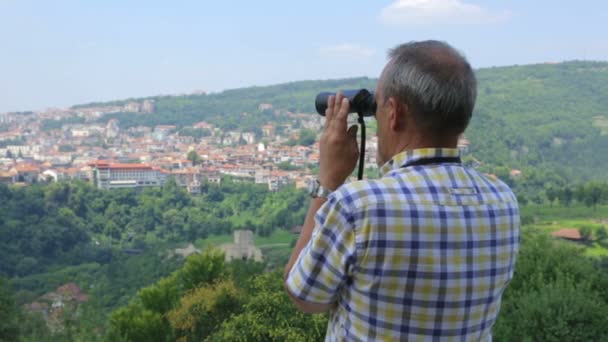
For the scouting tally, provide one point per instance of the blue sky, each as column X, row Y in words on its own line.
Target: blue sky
column 58, row 53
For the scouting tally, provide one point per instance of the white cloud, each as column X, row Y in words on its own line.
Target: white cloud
column 421, row 12
column 346, row 49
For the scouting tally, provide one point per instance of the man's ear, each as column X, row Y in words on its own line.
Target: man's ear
column 397, row 112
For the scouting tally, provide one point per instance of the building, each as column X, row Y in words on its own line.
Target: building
column 113, row 175
column 8, row 177
column 26, row 173
column 268, row 130
column 243, row 247
column 148, row 106
column 463, row 144
column 264, row 106
column 571, row 234
column 112, row 129
column 132, row 107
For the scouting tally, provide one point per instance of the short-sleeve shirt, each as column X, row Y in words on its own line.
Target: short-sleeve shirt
column 425, row 252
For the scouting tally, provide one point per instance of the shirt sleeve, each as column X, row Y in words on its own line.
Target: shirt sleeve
column 325, row 263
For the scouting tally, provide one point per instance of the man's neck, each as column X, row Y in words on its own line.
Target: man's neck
column 418, row 142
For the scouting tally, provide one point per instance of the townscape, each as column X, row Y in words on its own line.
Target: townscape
column 34, row 148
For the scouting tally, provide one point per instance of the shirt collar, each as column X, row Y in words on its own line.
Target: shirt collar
column 409, row 156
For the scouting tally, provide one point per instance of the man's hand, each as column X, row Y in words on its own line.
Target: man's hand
column 338, row 146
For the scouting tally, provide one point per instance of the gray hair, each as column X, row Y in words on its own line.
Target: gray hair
column 436, row 82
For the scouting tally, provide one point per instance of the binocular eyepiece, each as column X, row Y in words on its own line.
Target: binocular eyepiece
column 361, row 101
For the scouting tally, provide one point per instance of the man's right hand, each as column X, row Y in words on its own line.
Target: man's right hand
column 338, row 145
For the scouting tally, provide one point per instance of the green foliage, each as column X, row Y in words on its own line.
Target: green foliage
column 194, row 157
column 238, row 108
column 307, row 137
column 196, row 133
column 162, row 296
column 601, row 233
column 541, row 116
column 269, row 315
column 9, row 314
column 202, row 310
column 586, row 233
column 146, row 317
column 555, row 295
column 15, row 141
column 287, row 166
column 560, row 311
column 50, row 124
column 66, row 148
column 233, row 302
column 66, row 223
column 134, row 323
column 200, row 269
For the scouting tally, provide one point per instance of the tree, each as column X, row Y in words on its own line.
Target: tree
column 201, row 312
column 552, row 194
column 601, row 233
column 556, row 312
column 269, row 315
column 566, row 196
column 557, row 294
column 194, row 158
column 133, row 323
column 10, row 315
column 586, row 233
column 593, row 194
column 203, row 269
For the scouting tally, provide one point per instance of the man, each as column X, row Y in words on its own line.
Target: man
column 425, row 251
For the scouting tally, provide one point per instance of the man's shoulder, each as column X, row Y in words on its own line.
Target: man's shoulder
column 493, row 184
column 354, row 194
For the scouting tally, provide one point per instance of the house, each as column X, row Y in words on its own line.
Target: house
column 571, row 234
column 515, row 173
column 8, row 177
column 268, row 130
column 53, row 304
column 26, row 173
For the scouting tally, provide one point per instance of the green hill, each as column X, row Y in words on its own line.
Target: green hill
column 547, row 117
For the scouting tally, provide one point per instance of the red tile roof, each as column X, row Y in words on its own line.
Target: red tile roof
column 568, row 233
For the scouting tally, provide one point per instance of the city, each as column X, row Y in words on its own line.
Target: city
column 64, row 144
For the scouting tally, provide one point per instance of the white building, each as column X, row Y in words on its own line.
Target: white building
column 113, row 176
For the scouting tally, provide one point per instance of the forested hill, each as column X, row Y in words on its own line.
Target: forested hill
column 548, row 117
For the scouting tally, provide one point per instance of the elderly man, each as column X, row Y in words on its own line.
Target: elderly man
column 426, row 251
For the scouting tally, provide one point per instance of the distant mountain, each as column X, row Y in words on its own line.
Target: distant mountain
column 550, row 117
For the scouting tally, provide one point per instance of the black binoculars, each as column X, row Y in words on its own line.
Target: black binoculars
column 361, row 101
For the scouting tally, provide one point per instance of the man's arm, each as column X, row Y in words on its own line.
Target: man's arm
column 309, row 224
column 338, row 157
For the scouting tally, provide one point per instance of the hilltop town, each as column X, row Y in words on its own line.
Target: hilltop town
column 76, row 143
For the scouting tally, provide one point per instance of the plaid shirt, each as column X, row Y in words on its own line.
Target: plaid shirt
column 423, row 253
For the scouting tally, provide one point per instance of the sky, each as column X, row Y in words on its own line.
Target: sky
column 60, row 53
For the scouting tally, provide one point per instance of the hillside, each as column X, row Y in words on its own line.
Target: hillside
column 550, row 117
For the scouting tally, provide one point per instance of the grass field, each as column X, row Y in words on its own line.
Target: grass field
column 277, row 238
column 277, row 246
column 549, row 219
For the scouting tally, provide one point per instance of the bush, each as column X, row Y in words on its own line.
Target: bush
column 556, row 312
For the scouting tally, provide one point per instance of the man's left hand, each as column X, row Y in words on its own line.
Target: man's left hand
column 338, row 145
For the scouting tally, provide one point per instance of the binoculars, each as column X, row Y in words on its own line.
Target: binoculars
column 361, row 101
